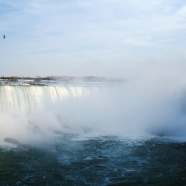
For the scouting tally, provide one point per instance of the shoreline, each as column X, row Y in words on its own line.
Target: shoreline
column 49, row 80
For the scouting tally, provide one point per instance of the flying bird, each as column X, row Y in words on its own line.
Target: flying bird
column 4, row 36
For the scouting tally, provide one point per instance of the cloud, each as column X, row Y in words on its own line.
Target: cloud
column 138, row 42
column 95, row 31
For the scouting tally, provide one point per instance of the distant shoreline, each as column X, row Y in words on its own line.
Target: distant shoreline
column 44, row 81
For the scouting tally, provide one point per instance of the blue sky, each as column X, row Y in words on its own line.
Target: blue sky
column 91, row 37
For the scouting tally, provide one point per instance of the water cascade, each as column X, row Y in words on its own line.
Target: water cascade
column 31, row 114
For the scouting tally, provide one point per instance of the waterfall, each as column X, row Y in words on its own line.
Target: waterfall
column 26, row 98
column 37, row 113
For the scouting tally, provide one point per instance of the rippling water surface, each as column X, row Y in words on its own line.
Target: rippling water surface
column 96, row 161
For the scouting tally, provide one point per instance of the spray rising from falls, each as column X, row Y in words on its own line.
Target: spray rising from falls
column 31, row 114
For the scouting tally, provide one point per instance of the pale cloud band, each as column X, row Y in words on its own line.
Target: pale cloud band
column 89, row 37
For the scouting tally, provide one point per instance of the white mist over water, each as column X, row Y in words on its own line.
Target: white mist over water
column 32, row 114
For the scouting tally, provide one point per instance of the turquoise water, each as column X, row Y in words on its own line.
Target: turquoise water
column 96, row 161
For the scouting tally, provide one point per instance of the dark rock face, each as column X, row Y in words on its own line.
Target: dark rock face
column 11, row 140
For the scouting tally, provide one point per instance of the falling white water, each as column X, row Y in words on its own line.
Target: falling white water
column 31, row 114
column 27, row 112
column 25, row 98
